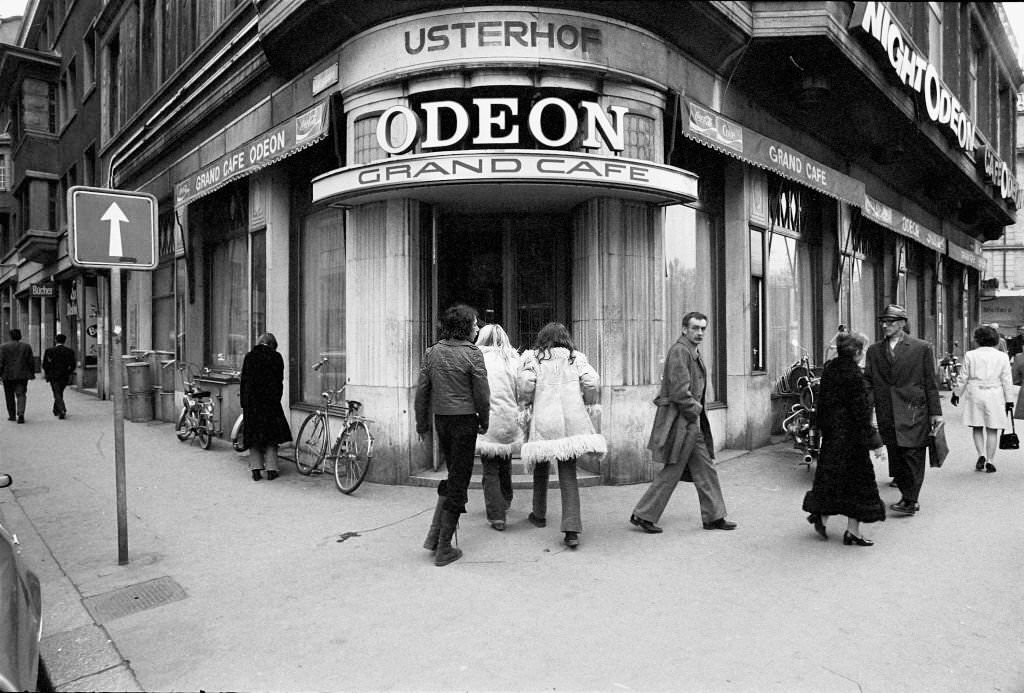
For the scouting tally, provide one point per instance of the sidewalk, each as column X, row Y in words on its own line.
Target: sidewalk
column 290, row 585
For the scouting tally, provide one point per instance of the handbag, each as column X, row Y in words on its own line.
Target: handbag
column 937, row 446
column 1009, row 441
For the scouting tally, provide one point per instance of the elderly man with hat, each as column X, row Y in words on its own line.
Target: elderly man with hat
column 900, row 376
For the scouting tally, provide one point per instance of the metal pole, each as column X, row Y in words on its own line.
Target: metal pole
column 115, row 384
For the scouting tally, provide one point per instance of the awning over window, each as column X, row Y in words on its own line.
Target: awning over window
column 893, row 219
column 283, row 140
column 711, row 129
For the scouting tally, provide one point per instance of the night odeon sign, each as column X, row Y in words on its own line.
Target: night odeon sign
column 493, row 122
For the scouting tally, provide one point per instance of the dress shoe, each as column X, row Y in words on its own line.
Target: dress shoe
column 21, row 419
column 537, row 521
column 272, row 474
column 256, row 476
column 850, row 539
column 720, row 523
column 12, row 418
column 989, row 467
column 62, row 416
column 645, row 525
column 980, row 465
column 572, row 539
column 819, row 525
column 905, row 507
column 498, row 525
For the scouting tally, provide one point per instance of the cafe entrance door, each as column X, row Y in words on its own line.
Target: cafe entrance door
column 513, row 269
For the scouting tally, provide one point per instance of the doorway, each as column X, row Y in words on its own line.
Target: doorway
column 513, row 269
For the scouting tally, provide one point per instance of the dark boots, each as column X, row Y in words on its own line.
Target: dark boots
column 430, row 543
column 446, row 553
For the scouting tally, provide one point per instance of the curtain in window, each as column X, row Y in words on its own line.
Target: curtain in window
column 691, row 271
column 322, row 309
column 790, row 307
column 858, row 310
column 163, row 308
column 229, row 303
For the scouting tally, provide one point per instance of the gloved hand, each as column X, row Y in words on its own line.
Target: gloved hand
column 954, row 400
column 1009, row 408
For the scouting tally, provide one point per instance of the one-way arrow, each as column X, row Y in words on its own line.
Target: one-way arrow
column 116, row 217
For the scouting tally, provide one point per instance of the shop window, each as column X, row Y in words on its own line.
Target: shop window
column 861, row 251
column 693, row 272
column 322, row 304
column 790, row 314
column 163, row 308
column 221, row 220
column 258, row 287
column 757, row 302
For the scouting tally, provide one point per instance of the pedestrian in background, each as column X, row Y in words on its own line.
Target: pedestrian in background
column 986, row 389
column 844, row 478
column 1015, row 344
column 900, row 375
column 681, row 435
column 503, row 432
column 58, row 367
column 560, row 389
column 17, row 367
column 264, row 425
column 453, row 398
column 1001, row 343
column 1017, row 371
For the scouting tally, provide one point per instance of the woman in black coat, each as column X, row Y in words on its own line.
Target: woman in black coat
column 264, row 424
column 844, row 481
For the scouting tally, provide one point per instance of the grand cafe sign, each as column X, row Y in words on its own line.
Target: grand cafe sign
column 499, row 125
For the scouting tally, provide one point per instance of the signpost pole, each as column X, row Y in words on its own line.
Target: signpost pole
column 115, row 380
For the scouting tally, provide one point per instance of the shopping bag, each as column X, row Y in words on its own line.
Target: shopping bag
column 937, row 447
column 1009, row 441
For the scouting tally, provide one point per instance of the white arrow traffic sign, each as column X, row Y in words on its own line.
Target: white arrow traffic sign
column 116, row 217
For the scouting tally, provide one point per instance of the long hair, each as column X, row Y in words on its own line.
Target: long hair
column 457, row 322
column 552, row 335
column 493, row 335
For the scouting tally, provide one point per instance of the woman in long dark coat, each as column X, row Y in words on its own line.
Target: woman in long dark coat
column 844, row 480
column 264, row 424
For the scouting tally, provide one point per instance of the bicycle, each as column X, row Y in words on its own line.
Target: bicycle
column 802, row 422
column 197, row 407
column 950, row 369
column 352, row 451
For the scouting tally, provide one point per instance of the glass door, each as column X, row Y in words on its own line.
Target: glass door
column 514, row 270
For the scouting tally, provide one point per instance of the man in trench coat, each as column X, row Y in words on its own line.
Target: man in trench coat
column 900, row 376
column 681, row 435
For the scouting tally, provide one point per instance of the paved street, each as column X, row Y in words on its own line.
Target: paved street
column 258, row 593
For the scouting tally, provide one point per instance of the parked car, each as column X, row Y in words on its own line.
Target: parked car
column 21, row 623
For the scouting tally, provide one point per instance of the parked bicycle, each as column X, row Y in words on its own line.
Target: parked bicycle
column 197, row 408
column 350, row 454
column 950, row 369
column 802, row 423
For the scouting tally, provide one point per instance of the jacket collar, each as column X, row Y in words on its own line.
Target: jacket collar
column 690, row 346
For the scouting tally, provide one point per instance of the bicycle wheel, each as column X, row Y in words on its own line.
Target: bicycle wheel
column 352, row 454
column 182, row 429
column 203, row 431
column 310, row 444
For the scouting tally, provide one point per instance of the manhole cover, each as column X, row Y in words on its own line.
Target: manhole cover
column 133, row 599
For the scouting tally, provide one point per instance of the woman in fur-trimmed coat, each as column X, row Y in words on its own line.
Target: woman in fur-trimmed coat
column 495, row 446
column 561, row 386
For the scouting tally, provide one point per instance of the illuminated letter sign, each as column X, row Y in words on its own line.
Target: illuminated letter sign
column 495, row 121
column 914, row 70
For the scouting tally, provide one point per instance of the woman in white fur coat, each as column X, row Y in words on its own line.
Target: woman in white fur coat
column 561, row 386
column 495, row 446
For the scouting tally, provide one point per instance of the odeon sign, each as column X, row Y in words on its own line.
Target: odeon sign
column 498, row 123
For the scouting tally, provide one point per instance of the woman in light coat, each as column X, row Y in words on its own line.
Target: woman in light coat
column 986, row 388
column 561, row 386
column 495, row 446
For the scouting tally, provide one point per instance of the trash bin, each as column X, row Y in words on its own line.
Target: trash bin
column 140, row 378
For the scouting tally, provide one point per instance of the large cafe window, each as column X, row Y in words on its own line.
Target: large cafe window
column 221, row 220
column 321, row 307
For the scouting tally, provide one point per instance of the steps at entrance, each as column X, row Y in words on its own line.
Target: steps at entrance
column 520, row 479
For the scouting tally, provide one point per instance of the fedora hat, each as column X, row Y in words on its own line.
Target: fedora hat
column 893, row 311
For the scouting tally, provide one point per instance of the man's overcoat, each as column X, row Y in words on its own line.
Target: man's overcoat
column 904, row 390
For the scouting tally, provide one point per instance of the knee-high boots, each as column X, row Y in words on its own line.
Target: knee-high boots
column 446, row 553
column 430, row 543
